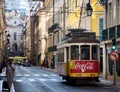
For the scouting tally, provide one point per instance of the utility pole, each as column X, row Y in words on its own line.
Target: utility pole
column 53, row 17
column 53, row 11
column 106, row 12
column 64, row 17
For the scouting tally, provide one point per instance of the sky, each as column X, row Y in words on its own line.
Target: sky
column 16, row 11
column 16, row 8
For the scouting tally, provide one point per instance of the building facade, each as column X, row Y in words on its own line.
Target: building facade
column 70, row 14
column 36, row 29
column 2, row 30
column 111, row 31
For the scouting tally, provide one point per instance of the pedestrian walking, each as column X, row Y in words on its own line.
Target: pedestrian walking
column 10, row 69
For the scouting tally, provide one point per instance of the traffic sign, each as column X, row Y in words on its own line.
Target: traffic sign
column 114, row 56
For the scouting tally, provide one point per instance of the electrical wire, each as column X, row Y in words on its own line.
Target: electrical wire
column 81, row 8
column 95, row 4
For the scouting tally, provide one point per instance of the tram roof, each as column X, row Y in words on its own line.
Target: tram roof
column 84, row 40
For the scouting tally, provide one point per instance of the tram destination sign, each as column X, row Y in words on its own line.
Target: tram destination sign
column 87, row 34
column 84, row 34
column 81, row 33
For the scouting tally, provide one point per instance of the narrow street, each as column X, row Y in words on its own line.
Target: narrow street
column 79, row 38
column 32, row 79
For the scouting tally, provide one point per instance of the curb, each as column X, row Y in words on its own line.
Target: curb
column 110, row 83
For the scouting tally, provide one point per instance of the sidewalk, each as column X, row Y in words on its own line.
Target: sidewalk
column 110, row 83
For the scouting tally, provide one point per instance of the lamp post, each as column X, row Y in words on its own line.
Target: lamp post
column 89, row 9
column 7, row 47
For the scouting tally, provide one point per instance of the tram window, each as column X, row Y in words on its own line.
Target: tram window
column 67, row 54
column 74, row 52
column 85, row 52
column 61, row 57
column 60, row 54
column 94, row 52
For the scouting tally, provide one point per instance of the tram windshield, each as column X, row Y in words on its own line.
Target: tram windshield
column 85, row 52
column 75, row 52
column 94, row 52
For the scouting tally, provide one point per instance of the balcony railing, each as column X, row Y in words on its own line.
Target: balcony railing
column 118, row 31
column 110, row 33
column 105, row 34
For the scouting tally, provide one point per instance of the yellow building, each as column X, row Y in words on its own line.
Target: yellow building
column 78, row 17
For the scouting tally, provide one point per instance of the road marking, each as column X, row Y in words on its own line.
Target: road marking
column 18, row 80
column 42, row 79
column 45, row 75
column 1, row 83
column 30, row 79
column 12, row 89
column 54, row 79
column 36, row 75
column 53, row 90
column 54, row 75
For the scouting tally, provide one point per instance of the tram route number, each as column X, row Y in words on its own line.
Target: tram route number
column 114, row 56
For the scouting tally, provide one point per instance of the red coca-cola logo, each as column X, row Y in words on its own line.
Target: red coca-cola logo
column 85, row 66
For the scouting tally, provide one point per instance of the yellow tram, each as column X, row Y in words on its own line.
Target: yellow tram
column 78, row 57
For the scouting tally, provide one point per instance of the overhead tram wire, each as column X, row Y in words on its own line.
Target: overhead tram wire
column 26, row 35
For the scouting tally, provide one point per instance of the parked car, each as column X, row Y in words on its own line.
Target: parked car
column 26, row 63
column 20, row 63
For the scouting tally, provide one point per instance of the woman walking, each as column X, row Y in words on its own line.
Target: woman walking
column 10, row 68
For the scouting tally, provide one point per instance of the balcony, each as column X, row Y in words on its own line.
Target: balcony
column 110, row 33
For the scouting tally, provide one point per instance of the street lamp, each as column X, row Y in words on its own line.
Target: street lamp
column 89, row 9
column 7, row 46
